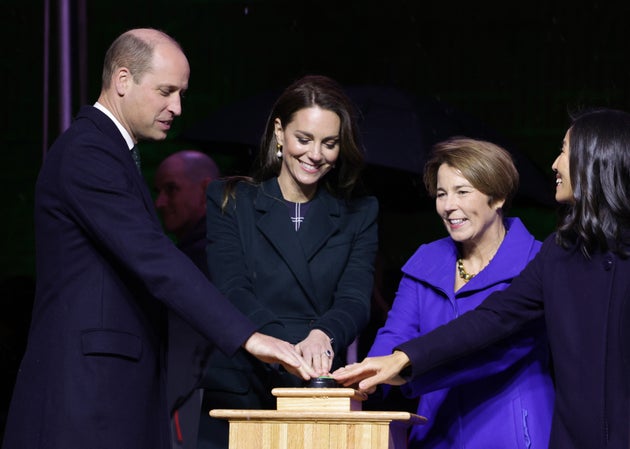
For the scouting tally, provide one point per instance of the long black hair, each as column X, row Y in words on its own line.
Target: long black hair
column 599, row 166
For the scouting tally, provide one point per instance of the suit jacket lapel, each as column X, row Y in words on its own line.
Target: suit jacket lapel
column 146, row 195
column 108, row 127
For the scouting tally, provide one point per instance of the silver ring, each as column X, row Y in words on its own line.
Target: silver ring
column 328, row 353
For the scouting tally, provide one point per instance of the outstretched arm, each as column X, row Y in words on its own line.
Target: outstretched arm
column 373, row 371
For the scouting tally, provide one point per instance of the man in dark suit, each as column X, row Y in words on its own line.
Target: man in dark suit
column 180, row 185
column 93, row 374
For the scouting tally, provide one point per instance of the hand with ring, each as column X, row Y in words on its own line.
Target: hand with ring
column 317, row 350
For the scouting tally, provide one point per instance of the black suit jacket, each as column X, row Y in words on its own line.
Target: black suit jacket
column 93, row 373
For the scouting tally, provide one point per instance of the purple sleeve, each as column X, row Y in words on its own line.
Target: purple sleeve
column 501, row 315
column 402, row 320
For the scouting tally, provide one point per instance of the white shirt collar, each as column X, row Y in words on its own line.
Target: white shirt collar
column 121, row 128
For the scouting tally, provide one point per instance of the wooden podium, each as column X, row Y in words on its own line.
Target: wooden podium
column 317, row 418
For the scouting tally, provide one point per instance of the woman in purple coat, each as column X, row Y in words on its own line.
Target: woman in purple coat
column 503, row 397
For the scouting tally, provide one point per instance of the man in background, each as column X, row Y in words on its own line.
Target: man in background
column 180, row 184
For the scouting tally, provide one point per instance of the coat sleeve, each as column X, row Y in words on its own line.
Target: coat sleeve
column 228, row 257
column 350, row 311
column 403, row 323
column 105, row 198
column 488, row 361
column 501, row 315
column 403, row 320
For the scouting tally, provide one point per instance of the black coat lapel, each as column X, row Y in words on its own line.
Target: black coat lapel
column 320, row 224
column 296, row 248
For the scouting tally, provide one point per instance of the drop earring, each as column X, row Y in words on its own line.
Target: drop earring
column 279, row 152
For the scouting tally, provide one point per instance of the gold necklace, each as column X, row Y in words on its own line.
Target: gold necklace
column 460, row 263
column 462, row 271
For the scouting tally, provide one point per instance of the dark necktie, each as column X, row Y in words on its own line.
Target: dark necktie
column 135, row 154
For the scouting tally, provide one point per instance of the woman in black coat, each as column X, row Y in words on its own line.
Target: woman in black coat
column 293, row 247
column 579, row 283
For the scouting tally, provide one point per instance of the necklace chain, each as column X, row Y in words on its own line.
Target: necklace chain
column 460, row 264
column 462, row 271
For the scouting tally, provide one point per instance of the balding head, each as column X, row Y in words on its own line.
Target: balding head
column 180, row 182
column 134, row 50
column 196, row 165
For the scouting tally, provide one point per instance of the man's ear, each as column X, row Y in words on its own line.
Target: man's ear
column 205, row 181
column 203, row 185
column 122, row 80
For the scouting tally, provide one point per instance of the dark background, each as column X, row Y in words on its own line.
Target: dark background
column 519, row 67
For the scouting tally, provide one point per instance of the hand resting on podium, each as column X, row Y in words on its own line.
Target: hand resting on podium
column 273, row 350
column 373, row 371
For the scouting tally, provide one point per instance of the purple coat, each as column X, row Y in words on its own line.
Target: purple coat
column 500, row 398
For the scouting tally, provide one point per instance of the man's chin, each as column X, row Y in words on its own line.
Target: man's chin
column 154, row 135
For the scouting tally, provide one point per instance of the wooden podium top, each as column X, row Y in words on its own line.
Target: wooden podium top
column 316, row 416
column 318, row 404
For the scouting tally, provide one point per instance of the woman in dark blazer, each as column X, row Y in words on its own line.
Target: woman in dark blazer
column 293, row 247
column 579, row 283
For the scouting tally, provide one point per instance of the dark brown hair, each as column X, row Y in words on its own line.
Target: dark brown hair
column 325, row 93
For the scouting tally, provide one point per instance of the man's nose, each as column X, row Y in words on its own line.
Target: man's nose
column 160, row 201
